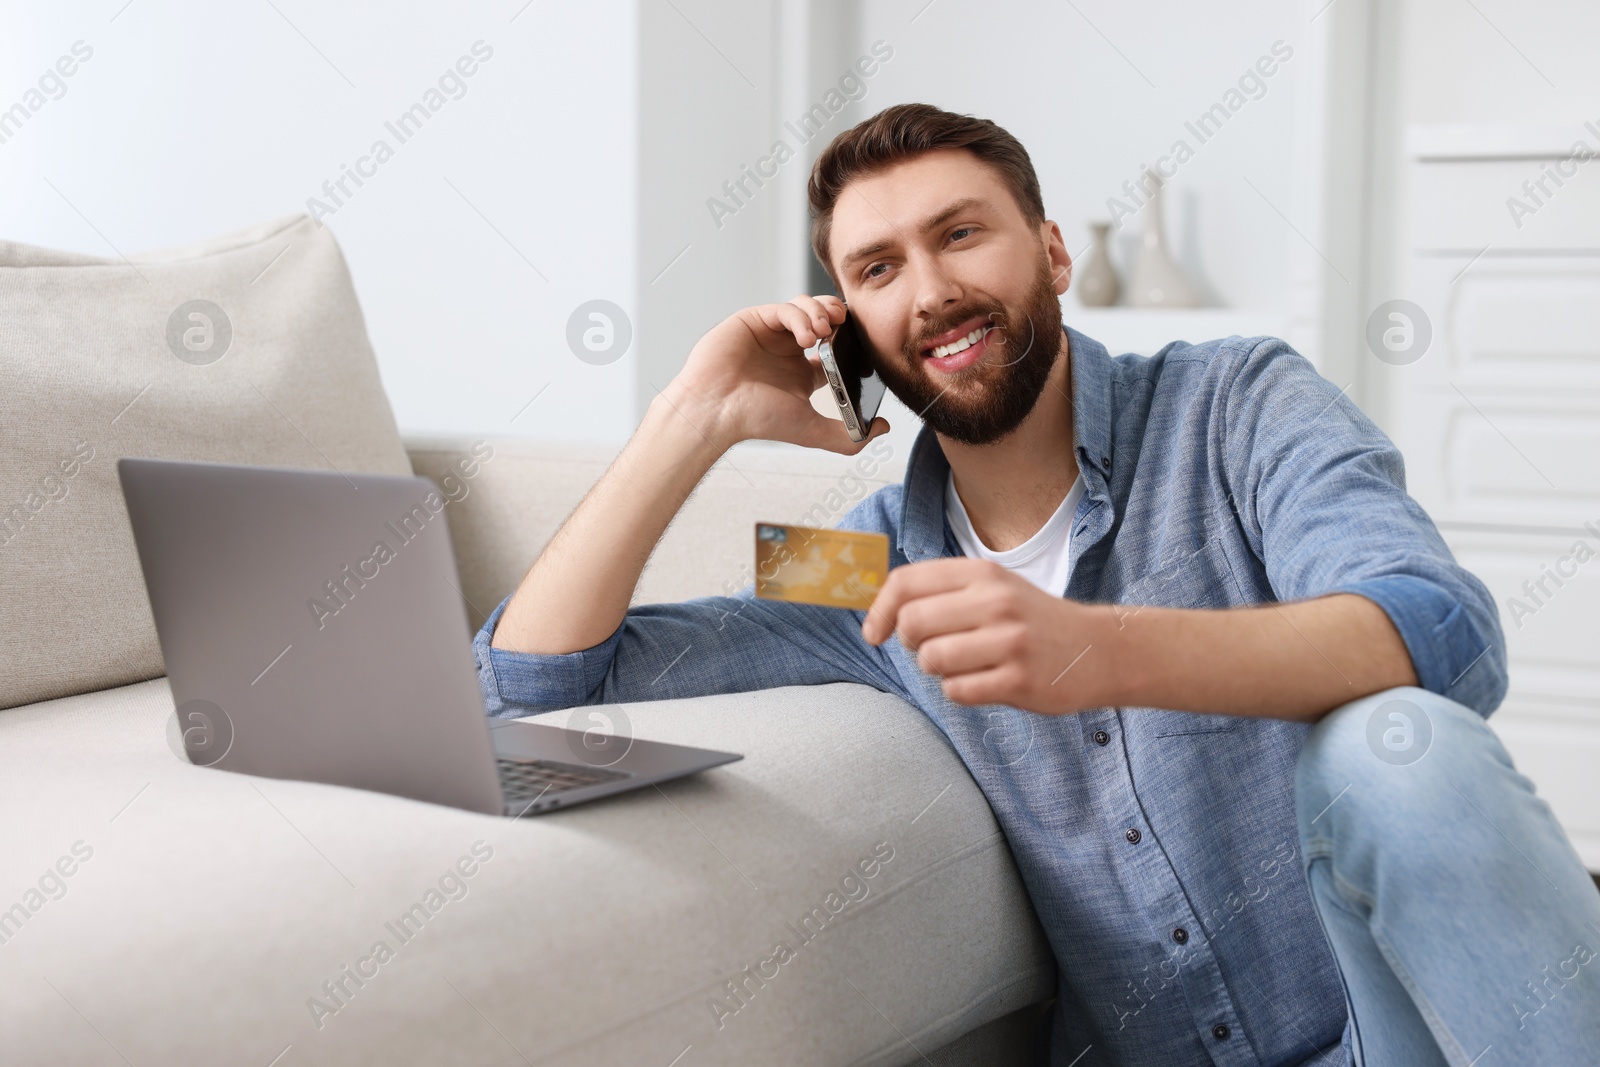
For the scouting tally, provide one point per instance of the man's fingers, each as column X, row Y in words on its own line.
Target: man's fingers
column 793, row 320
column 830, row 434
column 818, row 313
column 914, row 580
column 950, row 654
column 807, row 326
column 834, row 307
column 995, row 685
column 927, row 617
column 827, row 303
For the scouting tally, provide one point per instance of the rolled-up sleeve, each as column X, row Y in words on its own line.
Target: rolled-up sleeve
column 1321, row 492
column 718, row 644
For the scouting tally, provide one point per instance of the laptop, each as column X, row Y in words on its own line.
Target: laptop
column 314, row 628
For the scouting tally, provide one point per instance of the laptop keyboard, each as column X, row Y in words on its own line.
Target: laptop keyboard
column 523, row 780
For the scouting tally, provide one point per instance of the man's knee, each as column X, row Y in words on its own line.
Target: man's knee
column 1396, row 741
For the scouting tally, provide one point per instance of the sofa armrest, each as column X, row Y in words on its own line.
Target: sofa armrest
column 506, row 512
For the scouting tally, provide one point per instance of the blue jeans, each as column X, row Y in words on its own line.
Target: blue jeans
column 1465, row 927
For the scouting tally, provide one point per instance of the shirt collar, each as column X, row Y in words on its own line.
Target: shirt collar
column 922, row 493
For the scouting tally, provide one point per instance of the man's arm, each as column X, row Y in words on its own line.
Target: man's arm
column 1288, row 661
column 1370, row 595
column 715, row 644
column 579, row 588
column 747, row 378
column 1319, row 492
column 995, row 638
column 567, row 636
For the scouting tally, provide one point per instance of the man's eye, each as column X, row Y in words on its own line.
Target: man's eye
column 875, row 271
column 957, row 234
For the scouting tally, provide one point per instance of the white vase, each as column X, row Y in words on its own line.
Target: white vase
column 1097, row 282
column 1158, row 281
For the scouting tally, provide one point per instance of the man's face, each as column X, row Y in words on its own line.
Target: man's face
column 954, row 290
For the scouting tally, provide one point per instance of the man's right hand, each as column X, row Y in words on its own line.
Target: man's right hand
column 750, row 378
column 747, row 379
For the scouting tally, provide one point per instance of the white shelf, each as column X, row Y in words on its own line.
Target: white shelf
column 1478, row 141
column 1147, row 330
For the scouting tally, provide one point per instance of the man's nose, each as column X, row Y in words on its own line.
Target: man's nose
column 936, row 290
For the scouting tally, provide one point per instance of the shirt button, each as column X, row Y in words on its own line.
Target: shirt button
column 1101, row 737
column 1132, row 835
column 1180, row 935
column 1105, row 461
column 1220, row 1031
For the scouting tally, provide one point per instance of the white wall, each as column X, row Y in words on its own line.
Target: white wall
column 1096, row 90
column 1093, row 95
column 592, row 141
column 708, row 77
column 594, row 137
column 193, row 119
column 718, row 93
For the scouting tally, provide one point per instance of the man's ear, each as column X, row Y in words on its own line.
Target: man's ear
column 1056, row 251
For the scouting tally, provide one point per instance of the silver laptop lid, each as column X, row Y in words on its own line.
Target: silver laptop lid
column 312, row 622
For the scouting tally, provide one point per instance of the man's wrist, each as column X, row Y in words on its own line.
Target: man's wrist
column 700, row 421
column 1087, row 670
column 1115, row 666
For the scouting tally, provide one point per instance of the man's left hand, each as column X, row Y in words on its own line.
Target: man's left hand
column 993, row 637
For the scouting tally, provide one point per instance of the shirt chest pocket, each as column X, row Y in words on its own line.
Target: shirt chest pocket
column 1197, row 578
column 1201, row 578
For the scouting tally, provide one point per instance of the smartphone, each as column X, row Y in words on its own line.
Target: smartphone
column 855, row 386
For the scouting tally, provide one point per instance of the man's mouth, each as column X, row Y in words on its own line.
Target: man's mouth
column 960, row 347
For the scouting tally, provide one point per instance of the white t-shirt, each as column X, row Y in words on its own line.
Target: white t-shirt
column 1043, row 559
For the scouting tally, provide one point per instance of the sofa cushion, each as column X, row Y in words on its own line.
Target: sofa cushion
column 513, row 503
column 248, row 348
column 190, row 915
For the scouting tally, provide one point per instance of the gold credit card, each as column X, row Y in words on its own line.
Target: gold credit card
column 832, row 568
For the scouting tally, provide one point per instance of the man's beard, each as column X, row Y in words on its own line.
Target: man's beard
column 1011, row 374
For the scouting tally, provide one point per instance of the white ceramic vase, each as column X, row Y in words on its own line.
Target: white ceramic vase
column 1158, row 281
column 1097, row 282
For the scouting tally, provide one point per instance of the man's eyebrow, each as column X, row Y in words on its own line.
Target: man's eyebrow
column 930, row 223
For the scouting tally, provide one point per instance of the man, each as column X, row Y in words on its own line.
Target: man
column 1159, row 570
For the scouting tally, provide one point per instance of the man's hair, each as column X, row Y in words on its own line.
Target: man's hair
column 904, row 132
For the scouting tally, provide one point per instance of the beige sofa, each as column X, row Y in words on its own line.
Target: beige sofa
column 843, row 895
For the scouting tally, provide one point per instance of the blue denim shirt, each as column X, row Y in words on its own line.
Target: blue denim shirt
column 1220, row 474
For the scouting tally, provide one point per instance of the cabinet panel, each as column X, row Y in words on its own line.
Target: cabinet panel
column 1479, row 456
column 1468, row 204
column 1548, row 590
column 1499, row 422
column 1522, row 325
column 1518, row 325
column 1514, row 451
column 1558, row 749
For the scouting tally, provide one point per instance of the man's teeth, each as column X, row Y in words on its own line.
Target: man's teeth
column 960, row 345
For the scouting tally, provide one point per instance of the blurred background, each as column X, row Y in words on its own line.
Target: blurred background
column 1401, row 188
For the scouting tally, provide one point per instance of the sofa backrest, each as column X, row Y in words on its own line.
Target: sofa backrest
column 248, row 348
column 514, row 501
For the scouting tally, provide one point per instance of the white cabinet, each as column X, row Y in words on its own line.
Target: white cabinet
column 1500, row 425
